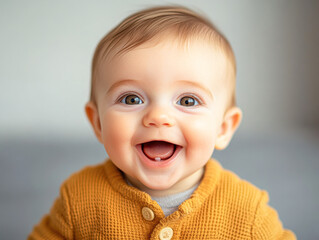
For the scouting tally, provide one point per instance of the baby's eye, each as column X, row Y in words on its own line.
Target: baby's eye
column 131, row 99
column 188, row 101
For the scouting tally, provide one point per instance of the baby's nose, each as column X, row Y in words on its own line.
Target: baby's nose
column 158, row 117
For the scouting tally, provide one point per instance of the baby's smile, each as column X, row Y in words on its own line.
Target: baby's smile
column 158, row 150
column 157, row 153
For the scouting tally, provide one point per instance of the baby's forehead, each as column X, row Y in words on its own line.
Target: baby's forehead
column 172, row 38
column 184, row 60
column 189, row 45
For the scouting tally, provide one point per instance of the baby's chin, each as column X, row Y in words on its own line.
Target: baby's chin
column 159, row 187
column 160, row 190
column 164, row 188
column 155, row 186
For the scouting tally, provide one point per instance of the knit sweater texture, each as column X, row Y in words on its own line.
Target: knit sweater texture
column 97, row 203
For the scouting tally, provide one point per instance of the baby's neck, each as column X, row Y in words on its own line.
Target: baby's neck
column 179, row 187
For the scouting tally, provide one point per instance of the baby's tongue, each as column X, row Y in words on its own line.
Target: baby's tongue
column 158, row 149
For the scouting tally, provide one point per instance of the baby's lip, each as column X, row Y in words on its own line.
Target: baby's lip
column 176, row 146
column 162, row 160
column 159, row 140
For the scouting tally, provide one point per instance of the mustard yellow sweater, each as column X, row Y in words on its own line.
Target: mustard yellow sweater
column 96, row 203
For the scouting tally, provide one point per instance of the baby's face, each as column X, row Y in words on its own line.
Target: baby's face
column 161, row 108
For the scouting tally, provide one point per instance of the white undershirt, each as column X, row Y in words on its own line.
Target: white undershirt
column 170, row 203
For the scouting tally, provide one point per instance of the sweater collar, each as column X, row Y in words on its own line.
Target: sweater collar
column 205, row 189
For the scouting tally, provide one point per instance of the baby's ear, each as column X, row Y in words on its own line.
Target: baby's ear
column 229, row 126
column 93, row 116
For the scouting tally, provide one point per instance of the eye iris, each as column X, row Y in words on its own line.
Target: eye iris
column 132, row 99
column 187, row 101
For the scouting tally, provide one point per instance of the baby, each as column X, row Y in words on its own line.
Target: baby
column 162, row 99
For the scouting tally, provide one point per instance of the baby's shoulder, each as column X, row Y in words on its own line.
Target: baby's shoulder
column 88, row 179
column 231, row 180
column 233, row 184
column 235, row 192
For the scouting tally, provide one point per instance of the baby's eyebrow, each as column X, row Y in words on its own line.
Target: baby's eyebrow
column 119, row 83
column 197, row 85
column 187, row 82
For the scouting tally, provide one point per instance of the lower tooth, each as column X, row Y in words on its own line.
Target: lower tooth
column 158, row 159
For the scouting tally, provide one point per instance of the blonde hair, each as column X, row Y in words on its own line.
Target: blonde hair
column 147, row 24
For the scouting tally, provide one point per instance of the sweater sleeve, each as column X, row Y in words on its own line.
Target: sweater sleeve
column 267, row 224
column 57, row 224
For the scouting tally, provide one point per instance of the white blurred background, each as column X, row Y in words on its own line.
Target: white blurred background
column 46, row 50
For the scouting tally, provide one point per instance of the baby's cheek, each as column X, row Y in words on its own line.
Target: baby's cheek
column 201, row 136
column 117, row 130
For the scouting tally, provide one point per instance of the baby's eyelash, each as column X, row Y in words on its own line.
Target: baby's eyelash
column 191, row 95
column 126, row 94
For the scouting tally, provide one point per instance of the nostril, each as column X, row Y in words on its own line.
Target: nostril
column 158, row 118
column 158, row 124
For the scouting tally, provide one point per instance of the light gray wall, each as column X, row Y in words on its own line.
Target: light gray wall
column 46, row 49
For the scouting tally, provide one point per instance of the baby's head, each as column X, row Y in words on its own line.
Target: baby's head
column 163, row 97
column 160, row 24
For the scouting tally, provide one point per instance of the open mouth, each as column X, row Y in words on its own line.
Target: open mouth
column 158, row 150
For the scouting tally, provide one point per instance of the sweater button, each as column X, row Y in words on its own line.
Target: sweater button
column 148, row 214
column 166, row 233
